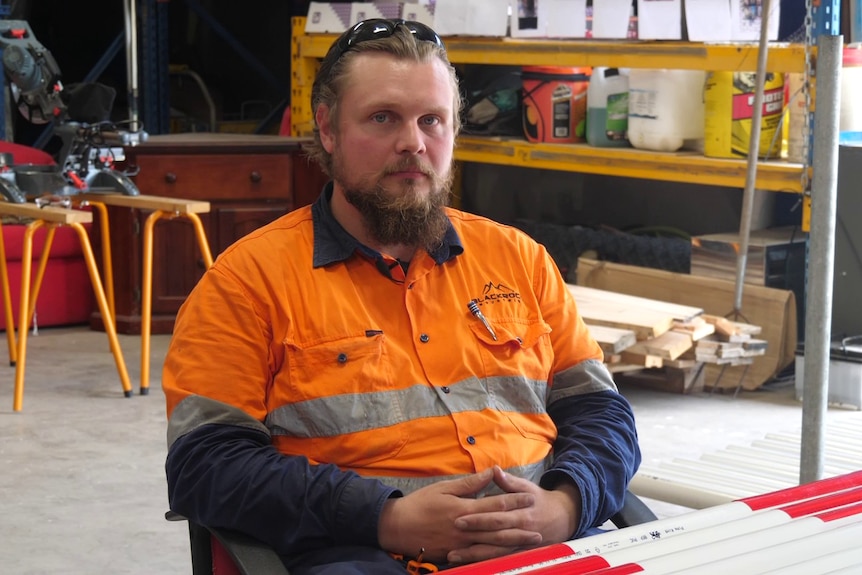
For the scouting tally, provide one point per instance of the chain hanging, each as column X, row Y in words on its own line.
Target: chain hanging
column 806, row 91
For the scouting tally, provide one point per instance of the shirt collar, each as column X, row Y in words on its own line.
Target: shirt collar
column 333, row 244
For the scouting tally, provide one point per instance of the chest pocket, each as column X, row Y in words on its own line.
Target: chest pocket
column 522, row 346
column 517, row 367
column 345, row 387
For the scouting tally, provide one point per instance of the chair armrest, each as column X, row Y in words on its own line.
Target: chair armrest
column 249, row 555
column 634, row 512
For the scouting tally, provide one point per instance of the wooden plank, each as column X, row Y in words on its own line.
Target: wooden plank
column 147, row 202
column 612, row 340
column 645, row 323
column 773, row 309
column 644, row 360
column 697, row 328
column 669, row 345
column 679, row 312
column 51, row 214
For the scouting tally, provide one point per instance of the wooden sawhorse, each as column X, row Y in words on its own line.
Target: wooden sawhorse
column 51, row 217
column 162, row 208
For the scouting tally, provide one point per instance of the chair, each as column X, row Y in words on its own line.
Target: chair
column 224, row 552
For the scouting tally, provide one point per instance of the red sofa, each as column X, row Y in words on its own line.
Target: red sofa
column 66, row 296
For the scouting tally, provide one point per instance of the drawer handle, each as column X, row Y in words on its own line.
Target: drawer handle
column 255, row 177
column 171, row 178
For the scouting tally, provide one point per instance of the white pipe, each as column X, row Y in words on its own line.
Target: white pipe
column 131, row 25
column 794, row 501
column 824, row 565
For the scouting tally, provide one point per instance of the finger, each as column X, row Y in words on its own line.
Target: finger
column 501, row 503
column 471, row 484
column 512, row 483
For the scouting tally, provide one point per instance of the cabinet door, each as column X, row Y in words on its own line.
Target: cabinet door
column 233, row 221
column 177, row 261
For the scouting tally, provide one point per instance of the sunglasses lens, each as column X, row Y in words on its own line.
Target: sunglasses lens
column 381, row 28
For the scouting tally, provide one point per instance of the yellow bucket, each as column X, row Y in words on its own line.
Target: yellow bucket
column 728, row 111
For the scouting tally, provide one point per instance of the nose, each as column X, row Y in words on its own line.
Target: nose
column 411, row 139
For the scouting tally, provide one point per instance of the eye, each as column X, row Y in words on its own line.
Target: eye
column 430, row 120
column 380, row 117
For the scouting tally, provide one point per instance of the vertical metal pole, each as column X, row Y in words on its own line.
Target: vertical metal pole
column 131, row 21
column 753, row 152
column 818, row 312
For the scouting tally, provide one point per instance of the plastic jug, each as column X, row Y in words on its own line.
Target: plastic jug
column 666, row 110
column 608, row 107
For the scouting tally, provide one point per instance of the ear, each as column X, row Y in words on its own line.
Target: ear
column 325, row 127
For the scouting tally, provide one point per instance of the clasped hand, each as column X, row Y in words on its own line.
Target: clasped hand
column 452, row 525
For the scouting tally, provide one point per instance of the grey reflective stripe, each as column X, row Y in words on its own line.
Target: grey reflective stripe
column 196, row 410
column 351, row 413
column 587, row 377
column 410, row 484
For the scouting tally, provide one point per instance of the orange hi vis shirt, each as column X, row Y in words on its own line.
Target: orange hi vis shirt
column 395, row 380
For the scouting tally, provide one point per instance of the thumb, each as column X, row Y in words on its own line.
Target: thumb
column 471, row 484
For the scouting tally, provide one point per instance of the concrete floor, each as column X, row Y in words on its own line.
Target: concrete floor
column 82, row 488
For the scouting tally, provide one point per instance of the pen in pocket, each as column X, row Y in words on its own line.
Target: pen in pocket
column 474, row 309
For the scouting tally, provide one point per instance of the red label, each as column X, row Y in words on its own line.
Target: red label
column 743, row 104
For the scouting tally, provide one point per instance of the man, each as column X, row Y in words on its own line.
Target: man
column 378, row 375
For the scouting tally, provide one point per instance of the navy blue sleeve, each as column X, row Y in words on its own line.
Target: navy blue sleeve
column 596, row 448
column 231, row 477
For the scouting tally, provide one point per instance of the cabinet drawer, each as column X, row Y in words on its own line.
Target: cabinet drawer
column 215, row 176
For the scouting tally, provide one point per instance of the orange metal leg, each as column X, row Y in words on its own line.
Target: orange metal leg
column 7, row 301
column 147, row 299
column 24, row 310
column 40, row 272
column 147, row 282
column 110, row 323
column 107, row 261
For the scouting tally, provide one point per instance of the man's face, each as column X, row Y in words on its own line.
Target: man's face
column 392, row 147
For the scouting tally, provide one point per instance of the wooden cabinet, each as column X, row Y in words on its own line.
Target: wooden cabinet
column 248, row 180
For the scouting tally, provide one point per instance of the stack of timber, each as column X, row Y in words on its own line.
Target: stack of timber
column 663, row 345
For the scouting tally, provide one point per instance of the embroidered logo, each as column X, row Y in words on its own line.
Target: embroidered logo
column 498, row 293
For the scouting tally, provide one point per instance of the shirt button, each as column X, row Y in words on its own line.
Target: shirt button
column 342, row 358
column 424, row 338
column 471, row 440
column 444, row 389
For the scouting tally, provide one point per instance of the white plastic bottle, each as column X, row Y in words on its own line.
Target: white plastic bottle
column 608, row 107
column 666, row 110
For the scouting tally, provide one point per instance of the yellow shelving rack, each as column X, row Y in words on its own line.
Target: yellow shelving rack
column 779, row 176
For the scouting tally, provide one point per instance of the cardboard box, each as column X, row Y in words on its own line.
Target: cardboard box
column 471, row 17
column 772, row 309
column 548, row 19
column 728, row 20
column 419, row 12
column 366, row 10
column 327, row 17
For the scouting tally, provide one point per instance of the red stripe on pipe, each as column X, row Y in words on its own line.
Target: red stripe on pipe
column 582, row 566
column 792, row 494
column 516, row 561
column 564, row 569
column 830, row 501
column 840, row 513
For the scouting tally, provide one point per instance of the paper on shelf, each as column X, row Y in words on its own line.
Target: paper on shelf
column 660, row 19
column 708, row 20
column 611, row 18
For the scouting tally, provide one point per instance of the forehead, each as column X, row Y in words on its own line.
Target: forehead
column 377, row 76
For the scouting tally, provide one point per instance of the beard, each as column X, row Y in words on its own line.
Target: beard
column 404, row 216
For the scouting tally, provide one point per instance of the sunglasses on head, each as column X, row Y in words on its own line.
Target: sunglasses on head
column 381, row 28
